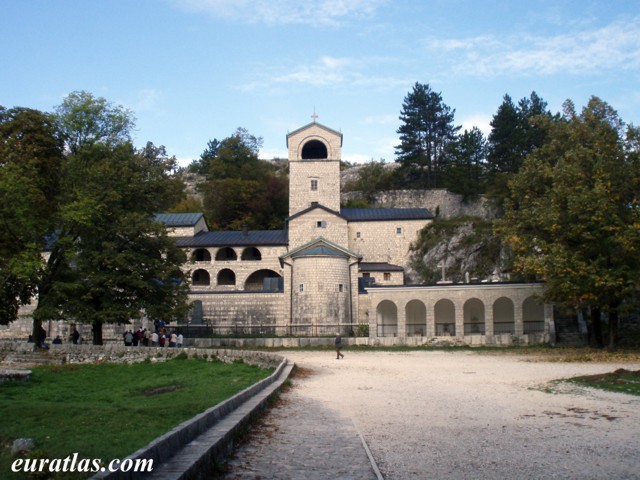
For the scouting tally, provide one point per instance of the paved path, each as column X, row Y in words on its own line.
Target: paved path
column 299, row 438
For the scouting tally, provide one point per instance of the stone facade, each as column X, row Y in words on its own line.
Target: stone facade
column 334, row 269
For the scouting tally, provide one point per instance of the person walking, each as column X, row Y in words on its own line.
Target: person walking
column 338, row 343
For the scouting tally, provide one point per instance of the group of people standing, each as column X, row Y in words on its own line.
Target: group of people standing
column 160, row 337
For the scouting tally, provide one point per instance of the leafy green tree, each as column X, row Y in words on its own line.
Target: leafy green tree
column 426, row 131
column 108, row 258
column 31, row 152
column 373, row 177
column 573, row 214
column 465, row 173
column 243, row 190
column 86, row 120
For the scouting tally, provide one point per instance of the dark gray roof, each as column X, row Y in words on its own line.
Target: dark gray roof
column 378, row 267
column 179, row 219
column 321, row 251
column 239, row 238
column 382, row 214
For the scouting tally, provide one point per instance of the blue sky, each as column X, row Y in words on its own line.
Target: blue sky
column 194, row 70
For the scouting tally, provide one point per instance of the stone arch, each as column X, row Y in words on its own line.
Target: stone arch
column 503, row 316
column 251, row 254
column 532, row 315
column 226, row 277
column 314, row 150
column 445, row 317
column 416, row 318
column 226, row 254
column 201, row 278
column 262, row 280
column 387, row 319
column 201, row 255
column 473, row 312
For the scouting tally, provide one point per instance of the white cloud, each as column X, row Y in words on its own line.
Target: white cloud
column 613, row 47
column 329, row 71
column 481, row 120
column 279, row 12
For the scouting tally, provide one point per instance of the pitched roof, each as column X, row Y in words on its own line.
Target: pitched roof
column 317, row 125
column 379, row 267
column 313, row 207
column 179, row 219
column 236, row 238
column 382, row 214
column 320, row 247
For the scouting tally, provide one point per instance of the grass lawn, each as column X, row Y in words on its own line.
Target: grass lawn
column 621, row 380
column 108, row 411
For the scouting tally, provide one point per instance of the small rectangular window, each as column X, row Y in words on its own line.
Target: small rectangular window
column 357, row 234
column 321, row 224
column 314, row 204
column 399, row 230
column 340, row 287
column 366, row 275
column 302, row 287
column 314, row 184
column 387, row 276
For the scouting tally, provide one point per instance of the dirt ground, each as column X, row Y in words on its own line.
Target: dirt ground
column 465, row 415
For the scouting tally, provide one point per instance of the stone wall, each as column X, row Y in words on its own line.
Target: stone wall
column 439, row 201
column 21, row 353
column 381, row 242
column 241, row 309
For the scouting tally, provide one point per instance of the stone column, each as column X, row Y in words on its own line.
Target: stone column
column 401, row 309
column 459, row 306
column 517, row 314
column 488, row 319
column 550, row 323
column 431, row 320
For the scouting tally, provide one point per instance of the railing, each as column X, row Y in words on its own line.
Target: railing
column 296, row 330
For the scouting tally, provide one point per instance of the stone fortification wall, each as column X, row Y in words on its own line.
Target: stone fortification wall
column 439, row 201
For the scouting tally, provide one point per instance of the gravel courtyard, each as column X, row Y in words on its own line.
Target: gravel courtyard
column 463, row 415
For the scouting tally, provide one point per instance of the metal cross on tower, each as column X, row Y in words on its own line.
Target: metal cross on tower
column 314, row 116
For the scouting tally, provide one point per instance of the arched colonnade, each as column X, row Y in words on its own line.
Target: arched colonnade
column 458, row 310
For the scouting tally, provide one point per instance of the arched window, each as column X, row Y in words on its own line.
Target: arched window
column 264, row 280
column 201, row 278
column 445, row 316
column 416, row 315
column 387, row 319
column 473, row 317
column 251, row 254
column 503, row 316
column 226, row 277
column 226, row 254
column 532, row 316
column 201, row 255
column 314, row 150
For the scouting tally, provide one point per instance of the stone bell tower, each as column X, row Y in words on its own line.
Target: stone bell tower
column 314, row 167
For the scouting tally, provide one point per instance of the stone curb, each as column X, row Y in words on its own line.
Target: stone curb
column 169, row 446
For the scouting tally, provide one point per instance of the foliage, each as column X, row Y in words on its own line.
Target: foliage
column 621, row 380
column 573, row 217
column 62, row 407
column 373, row 177
column 427, row 130
column 465, row 172
column 86, row 120
column 30, row 158
column 242, row 189
column 515, row 133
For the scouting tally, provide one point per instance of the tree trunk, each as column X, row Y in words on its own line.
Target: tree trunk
column 35, row 331
column 96, row 329
column 596, row 328
column 613, row 328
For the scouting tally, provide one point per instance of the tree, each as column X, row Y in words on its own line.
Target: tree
column 514, row 135
column 573, row 215
column 426, row 131
column 465, row 173
column 30, row 158
column 243, row 190
column 86, row 120
column 108, row 258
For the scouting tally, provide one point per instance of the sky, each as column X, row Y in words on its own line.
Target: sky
column 195, row 70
